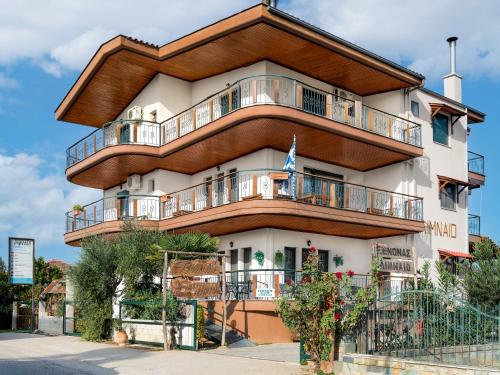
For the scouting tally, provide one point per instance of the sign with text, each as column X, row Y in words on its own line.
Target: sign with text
column 396, row 259
column 21, row 255
column 264, row 293
column 195, row 267
column 187, row 288
column 441, row 229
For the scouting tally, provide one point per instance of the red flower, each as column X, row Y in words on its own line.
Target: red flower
column 312, row 249
column 306, row 279
column 288, row 282
column 338, row 316
column 339, row 275
column 350, row 273
column 342, row 302
column 379, row 275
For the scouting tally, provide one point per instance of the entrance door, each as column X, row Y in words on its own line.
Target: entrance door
column 323, row 258
column 290, row 264
column 234, row 266
column 317, row 183
column 123, row 204
column 220, row 189
column 247, row 263
column 233, row 185
column 125, row 134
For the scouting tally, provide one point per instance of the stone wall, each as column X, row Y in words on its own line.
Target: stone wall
column 360, row 364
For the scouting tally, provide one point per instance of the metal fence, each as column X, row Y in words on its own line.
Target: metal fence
column 245, row 185
column 475, row 163
column 258, row 90
column 428, row 326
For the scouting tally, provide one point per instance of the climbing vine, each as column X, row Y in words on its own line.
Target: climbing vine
column 322, row 307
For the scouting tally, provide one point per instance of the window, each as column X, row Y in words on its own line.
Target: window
column 415, row 109
column 440, row 129
column 151, row 186
column 315, row 185
column 448, row 196
column 313, row 101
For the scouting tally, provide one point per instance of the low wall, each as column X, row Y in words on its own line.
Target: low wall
column 151, row 332
column 256, row 320
column 50, row 324
column 361, row 364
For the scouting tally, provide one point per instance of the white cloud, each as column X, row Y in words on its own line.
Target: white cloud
column 7, row 82
column 60, row 35
column 33, row 204
column 414, row 33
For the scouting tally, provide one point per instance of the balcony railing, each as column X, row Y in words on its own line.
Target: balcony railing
column 268, row 89
column 243, row 284
column 474, row 225
column 247, row 185
column 475, row 163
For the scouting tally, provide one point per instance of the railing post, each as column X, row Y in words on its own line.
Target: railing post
column 276, row 91
column 298, row 96
column 295, row 93
column 254, row 286
column 358, row 113
column 276, row 285
column 329, row 105
column 178, row 126
column 254, row 91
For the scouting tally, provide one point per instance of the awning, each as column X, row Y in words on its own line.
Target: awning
column 443, row 108
column 443, row 181
column 454, row 254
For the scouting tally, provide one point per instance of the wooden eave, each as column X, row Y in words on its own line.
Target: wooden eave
column 122, row 67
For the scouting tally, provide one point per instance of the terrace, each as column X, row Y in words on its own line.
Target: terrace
column 248, row 200
column 259, row 111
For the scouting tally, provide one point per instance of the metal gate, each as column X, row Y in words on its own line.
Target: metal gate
column 72, row 322
column 23, row 318
column 142, row 322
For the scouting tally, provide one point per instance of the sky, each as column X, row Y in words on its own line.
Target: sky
column 45, row 45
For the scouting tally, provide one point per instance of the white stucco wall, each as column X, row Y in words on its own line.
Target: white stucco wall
column 418, row 177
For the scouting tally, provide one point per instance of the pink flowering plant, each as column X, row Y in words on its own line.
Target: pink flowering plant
column 323, row 306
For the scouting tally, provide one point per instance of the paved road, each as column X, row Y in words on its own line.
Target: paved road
column 24, row 354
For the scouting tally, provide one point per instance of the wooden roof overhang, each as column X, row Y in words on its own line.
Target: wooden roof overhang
column 122, row 67
column 270, row 213
column 443, row 181
column 446, row 254
column 443, row 108
column 255, row 128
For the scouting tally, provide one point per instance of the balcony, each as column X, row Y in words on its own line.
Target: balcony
column 474, row 228
column 258, row 199
column 260, row 112
column 475, row 164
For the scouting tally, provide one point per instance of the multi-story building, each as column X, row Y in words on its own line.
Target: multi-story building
column 193, row 135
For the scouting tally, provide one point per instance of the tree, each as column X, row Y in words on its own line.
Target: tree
column 6, row 297
column 95, row 279
column 322, row 308
column 481, row 275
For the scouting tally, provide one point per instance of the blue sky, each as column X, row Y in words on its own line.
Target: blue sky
column 40, row 58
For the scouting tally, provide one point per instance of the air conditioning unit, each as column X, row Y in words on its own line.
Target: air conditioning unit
column 134, row 113
column 343, row 94
column 134, row 182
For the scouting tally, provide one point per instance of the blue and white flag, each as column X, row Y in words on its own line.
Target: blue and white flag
column 290, row 160
column 290, row 167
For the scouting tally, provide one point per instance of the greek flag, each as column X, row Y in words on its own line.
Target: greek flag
column 290, row 167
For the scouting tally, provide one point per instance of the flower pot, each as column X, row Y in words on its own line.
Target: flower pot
column 77, row 212
column 121, row 338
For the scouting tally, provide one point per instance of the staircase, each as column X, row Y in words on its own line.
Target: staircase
column 213, row 331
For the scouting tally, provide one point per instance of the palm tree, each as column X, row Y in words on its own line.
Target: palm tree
column 189, row 242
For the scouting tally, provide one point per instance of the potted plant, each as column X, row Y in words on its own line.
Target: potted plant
column 259, row 256
column 121, row 337
column 278, row 258
column 77, row 209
